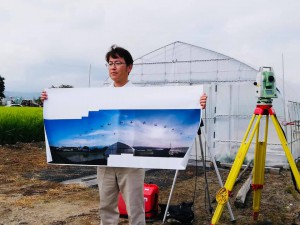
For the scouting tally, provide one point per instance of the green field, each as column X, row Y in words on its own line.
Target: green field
column 21, row 124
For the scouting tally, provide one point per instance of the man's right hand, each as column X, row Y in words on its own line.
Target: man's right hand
column 44, row 96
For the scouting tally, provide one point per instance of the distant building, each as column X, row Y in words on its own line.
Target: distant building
column 27, row 102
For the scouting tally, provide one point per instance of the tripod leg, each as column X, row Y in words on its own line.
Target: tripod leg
column 212, row 157
column 287, row 151
column 258, row 176
column 170, row 196
column 205, row 177
column 222, row 195
column 259, row 170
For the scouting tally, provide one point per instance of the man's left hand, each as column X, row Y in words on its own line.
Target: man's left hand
column 203, row 99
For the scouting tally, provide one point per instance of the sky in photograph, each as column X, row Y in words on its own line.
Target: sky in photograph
column 53, row 42
column 154, row 128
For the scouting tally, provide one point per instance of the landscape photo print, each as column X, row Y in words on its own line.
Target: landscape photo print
column 148, row 127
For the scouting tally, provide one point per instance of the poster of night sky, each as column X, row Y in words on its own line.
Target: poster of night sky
column 152, row 137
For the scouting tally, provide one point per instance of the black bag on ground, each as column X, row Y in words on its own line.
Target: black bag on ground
column 182, row 212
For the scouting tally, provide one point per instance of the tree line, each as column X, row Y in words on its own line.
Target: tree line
column 2, row 88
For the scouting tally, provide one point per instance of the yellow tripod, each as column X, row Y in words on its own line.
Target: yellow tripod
column 224, row 193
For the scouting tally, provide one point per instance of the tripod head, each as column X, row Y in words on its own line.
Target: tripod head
column 266, row 86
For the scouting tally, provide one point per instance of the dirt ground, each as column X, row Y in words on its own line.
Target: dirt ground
column 30, row 193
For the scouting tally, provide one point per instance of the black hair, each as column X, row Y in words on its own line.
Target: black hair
column 116, row 51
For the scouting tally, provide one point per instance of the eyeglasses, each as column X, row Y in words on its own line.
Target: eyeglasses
column 117, row 64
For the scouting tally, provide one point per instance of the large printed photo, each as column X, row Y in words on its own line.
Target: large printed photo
column 149, row 127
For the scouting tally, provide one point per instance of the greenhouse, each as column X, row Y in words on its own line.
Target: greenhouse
column 231, row 102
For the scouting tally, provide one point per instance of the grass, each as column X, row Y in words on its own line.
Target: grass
column 290, row 189
column 21, row 124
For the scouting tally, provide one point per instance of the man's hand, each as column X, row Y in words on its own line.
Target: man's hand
column 44, row 96
column 203, row 99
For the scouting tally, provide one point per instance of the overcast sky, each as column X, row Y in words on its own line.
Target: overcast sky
column 53, row 42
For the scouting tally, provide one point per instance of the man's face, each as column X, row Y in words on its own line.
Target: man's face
column 118, row 70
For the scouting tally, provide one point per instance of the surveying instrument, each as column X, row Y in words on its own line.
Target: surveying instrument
column 266, row 91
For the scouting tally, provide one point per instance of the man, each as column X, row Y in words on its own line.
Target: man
column 112, row 180
column 130, row 181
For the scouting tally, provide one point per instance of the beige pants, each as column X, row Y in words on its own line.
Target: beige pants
column 130, row 181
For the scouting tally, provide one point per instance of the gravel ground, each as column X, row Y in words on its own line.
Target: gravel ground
column 30, row 193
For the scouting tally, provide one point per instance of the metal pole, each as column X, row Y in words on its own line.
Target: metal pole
column 204, row 170
column 284, row 100
column 90, row 75
column 170, row 196
column 283, row 90
column 219, row 179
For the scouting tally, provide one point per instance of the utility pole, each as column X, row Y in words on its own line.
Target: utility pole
column 283, row 93
column 90, row 75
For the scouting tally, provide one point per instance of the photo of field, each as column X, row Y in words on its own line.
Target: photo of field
column 141, row 133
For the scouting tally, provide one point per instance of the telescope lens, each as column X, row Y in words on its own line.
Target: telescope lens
column 271, row 78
